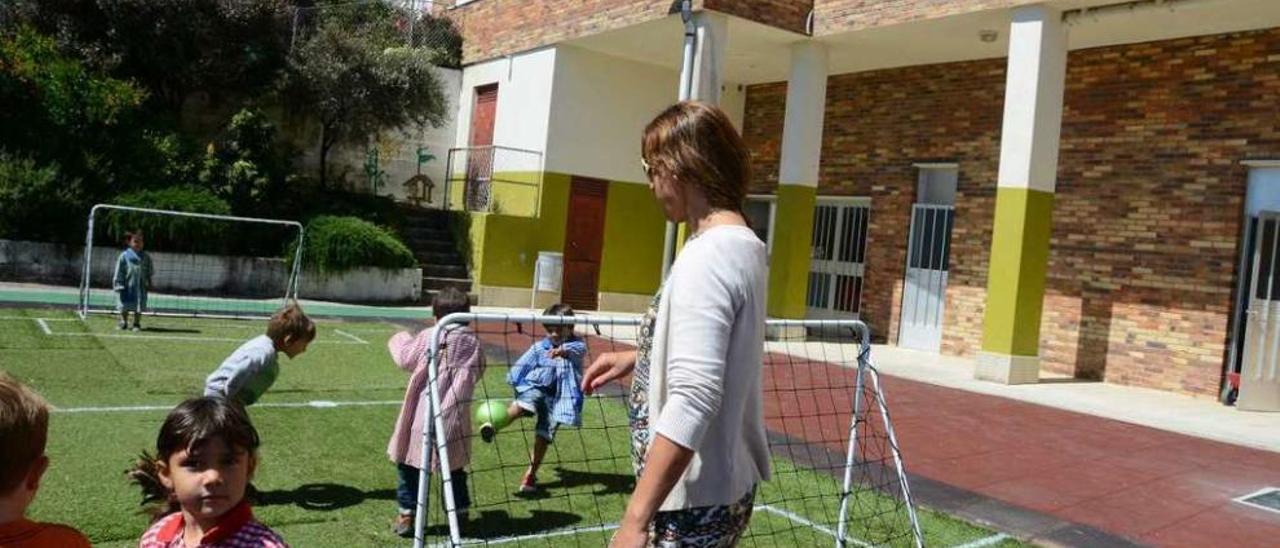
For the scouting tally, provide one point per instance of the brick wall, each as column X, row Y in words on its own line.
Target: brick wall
column 493, row 28
column 786, row 14
column 1147, row 215
column 834, row 16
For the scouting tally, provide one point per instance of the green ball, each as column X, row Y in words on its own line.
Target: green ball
column 491, row 411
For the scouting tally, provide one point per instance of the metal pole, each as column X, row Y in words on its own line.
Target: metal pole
column 424, row 473
column 851, row 456
column 686, row 92
column 87, row 268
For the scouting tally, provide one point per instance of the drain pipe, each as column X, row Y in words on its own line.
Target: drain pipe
column 686, row 93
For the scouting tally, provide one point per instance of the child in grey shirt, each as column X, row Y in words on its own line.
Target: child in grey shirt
column 252, row 369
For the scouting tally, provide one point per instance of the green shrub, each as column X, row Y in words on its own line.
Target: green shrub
column 30, row 194
column 246, row 166
column 342, row 243
column 172, row 233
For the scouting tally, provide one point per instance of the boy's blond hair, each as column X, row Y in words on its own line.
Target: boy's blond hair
column 292, row 323
column 24, row 430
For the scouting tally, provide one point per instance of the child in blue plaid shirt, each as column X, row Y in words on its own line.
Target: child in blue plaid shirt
column 548, row 384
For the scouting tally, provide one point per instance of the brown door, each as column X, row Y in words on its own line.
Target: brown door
column 584, row 242
column 483, row 114
column 480, row 160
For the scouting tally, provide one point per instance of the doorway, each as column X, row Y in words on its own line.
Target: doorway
column 584, row 242
column 924, row 288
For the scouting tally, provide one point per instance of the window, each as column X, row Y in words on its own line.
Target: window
column 760, row 212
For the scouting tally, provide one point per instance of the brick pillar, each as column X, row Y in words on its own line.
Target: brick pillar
column 1024, row 196
column 798, row 180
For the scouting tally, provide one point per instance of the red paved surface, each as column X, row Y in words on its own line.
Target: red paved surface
column 1150, row 486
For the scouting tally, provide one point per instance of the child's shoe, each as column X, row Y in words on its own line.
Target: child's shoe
column 528, row 484
column 404, row 525
column 122, row 325
column 487, row 432
column 137, row 328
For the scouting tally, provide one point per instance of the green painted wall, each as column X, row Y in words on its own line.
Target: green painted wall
column 633, row 232
column 508, row 241
column 1015, row 281
column 516, row 193
column 789, row 264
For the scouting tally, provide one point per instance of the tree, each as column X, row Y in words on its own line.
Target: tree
column 65, row 132
column 231, row 50
column 357, row 86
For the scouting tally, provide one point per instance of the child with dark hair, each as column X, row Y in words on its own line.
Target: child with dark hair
column 548, row 384
column 249, row 371
column 24, row 431
column 206, row 453
column 461, row 365
column 131, row 280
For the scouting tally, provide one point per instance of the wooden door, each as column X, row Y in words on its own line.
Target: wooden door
column 483, row 116
column 480, row 156
column 584, row 243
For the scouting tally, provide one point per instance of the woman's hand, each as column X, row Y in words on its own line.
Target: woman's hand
column 607, row 368
column 629, row 536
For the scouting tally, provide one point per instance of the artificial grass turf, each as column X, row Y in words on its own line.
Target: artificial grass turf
column 324, row 476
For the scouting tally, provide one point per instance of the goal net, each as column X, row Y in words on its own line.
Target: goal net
column 192, row 264
column 837, row 472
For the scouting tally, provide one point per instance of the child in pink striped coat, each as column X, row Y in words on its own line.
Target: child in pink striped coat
column 461, row 367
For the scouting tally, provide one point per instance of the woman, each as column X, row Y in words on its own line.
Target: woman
column 698, row 436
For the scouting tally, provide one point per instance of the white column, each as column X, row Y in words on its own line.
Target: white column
column 1027, row 178
column 1033, row 90
column 806, row 105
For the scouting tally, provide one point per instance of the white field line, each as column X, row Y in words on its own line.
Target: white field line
column 44, row 326
column 175, row 338
column 548, row 534
column 318, row 404
column 804, row 521
column 988, row 541
column 28, row 318
column 350, row 336
column 609, row 527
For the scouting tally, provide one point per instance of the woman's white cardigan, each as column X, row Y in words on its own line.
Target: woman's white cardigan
column 705, row 366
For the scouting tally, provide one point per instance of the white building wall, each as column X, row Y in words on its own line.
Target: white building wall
column 398, row 152
column 600, row 107
column 524, row 104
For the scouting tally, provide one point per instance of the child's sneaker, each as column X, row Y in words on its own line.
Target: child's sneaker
column 528, row 484
column 487, row 432
column 137, row 328
column 404, row 525
column 122, row 325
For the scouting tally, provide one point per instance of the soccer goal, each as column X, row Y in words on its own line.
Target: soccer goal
column 197, row 264
column 837, row 470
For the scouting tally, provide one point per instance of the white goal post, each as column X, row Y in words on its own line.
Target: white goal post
column 839, row 475
column 197, row 282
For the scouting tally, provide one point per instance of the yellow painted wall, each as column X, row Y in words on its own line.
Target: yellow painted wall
column 509, row 243
column 633, row 232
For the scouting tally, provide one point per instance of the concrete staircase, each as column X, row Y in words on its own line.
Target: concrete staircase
column 426, row 232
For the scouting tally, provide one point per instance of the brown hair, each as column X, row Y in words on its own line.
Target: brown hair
column 695, row 143
column 24, row 430
column 291, row 322
column 450, row 300
column 129, row 236
column 188, row 425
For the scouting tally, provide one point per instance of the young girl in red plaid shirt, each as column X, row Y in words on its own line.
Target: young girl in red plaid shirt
column 206, row 453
